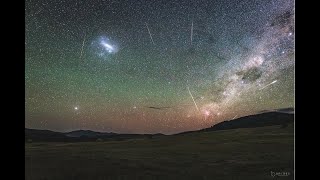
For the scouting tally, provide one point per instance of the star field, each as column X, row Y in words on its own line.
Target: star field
column 155, row 66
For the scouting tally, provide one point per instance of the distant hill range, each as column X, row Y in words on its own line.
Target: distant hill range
column 36, row 135
column 281, row 117
column 87, row 133
column 282, row 110
column 44, row 135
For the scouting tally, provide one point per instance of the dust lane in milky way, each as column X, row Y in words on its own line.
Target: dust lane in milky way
column 155, row 66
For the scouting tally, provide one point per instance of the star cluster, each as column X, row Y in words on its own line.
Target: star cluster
column 155, row 66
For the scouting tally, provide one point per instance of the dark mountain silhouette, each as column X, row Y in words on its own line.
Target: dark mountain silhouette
column 276, row 117
column 86, row 133
column 286, row 110
column 281, row 117
column 289, row 110
column 258, row 120
column 35, row 135
column 159, row 108
column 44, row 135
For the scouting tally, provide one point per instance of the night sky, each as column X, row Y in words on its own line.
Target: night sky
column 133, row 66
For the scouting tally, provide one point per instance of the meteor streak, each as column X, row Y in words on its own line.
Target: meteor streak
column 150, row 34
column 193, row 99
column 191, row 32
column 82, row 45
column 269, row 84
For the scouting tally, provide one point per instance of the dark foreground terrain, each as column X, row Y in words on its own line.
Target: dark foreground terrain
column 245, row 153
